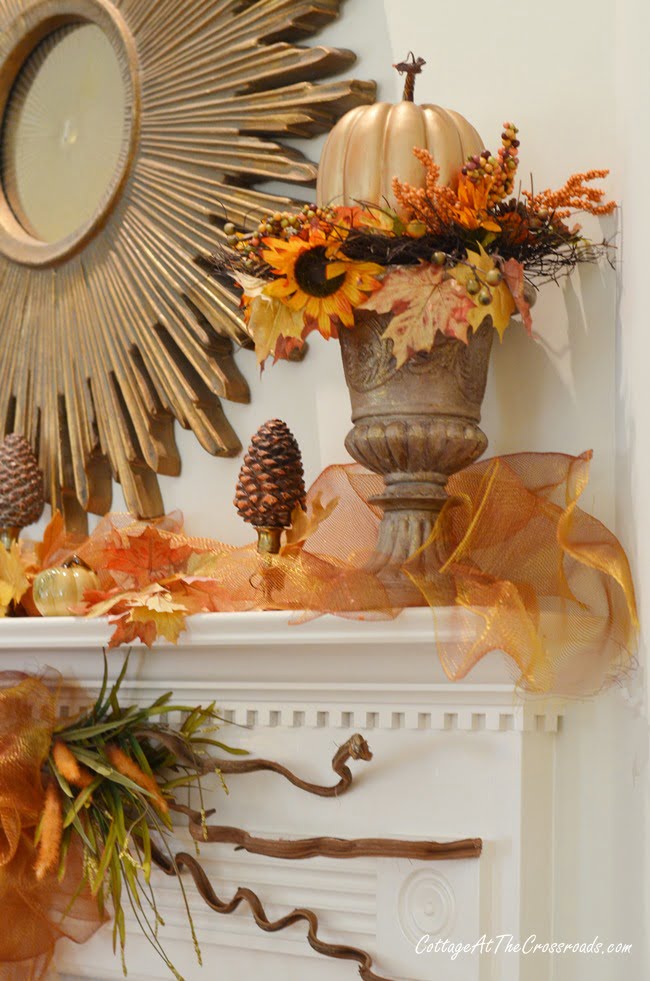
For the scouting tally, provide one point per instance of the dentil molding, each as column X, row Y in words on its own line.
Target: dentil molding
column 271, row 669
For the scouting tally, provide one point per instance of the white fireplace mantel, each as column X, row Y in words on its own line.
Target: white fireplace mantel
column 451, row 760
column 328, row 671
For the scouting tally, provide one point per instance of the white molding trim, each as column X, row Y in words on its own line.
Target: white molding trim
column 264, row 670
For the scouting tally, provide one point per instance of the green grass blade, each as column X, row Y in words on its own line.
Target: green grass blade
column 105, row 860
column 81, row 800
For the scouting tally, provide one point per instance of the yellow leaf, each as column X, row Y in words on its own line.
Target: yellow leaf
column 13, row 581
column 277, row 329
column 305, row 523
column 502, row 305
column 251, row 285
column 423, row 301
column 160, row 602
column 160, row 612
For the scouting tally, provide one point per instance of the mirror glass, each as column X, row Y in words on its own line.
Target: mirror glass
column 63, row 131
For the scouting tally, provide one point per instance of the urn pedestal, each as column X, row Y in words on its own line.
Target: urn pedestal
column 416, row 426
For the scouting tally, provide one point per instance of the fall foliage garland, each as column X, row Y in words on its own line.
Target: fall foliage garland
column 512, row 553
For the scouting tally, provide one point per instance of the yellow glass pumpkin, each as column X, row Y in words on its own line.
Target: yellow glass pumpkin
column 57, row 589
column 372, row 144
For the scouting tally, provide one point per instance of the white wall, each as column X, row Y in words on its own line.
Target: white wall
column 490, row 62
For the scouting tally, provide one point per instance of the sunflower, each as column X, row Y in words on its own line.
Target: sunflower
column 315, row 279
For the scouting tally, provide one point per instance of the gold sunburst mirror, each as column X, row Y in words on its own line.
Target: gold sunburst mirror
column 131, row 132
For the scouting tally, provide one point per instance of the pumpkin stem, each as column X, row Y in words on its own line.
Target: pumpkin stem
column 74, row 560
column 410, row 69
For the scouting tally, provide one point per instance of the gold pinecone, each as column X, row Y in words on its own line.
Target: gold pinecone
column 271, row 480
column 21, row 483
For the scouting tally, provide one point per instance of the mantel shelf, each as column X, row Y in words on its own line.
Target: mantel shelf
column 265, row 669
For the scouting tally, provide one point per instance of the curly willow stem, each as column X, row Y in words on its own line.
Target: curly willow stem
column 356, row 748
column 209, row 896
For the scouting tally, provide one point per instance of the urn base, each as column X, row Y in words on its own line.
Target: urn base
column 416, row 425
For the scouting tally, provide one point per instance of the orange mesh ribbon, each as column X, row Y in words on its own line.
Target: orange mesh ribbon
column 517, row 564
column 546, row 583
column 549, row 585
column 35, row 914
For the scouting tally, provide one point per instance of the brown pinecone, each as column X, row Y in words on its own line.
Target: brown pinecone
column 21, row 483
column 271, row 480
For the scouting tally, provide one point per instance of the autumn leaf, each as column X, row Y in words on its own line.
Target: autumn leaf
column 101, row 602
column 53, row 540
column 143, row 557
column 513, row 273
column 277, row 330
column 168, row 617
column 13, row 581
column 127, row 631
column 305, row 523
column 501, row 306
column 199, row 594
column 251, row 285
column 145, row 616
column 422, row 302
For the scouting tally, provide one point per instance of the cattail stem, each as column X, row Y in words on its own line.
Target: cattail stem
column 69, row 767
column 49, row 846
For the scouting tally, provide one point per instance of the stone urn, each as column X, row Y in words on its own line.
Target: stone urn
column 416, row 426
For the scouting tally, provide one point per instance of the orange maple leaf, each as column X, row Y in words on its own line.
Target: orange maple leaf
column 150, row 615
column 53, row 539
column 423, row 303
column 143, row 557
column 198, row 594
column 128, row 630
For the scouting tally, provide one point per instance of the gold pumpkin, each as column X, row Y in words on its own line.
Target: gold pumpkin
column 55, row 590
column 372, row 144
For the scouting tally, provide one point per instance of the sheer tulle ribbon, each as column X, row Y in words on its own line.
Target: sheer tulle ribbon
column 35, row 913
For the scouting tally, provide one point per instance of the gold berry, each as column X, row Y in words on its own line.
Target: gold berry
column 493, row 277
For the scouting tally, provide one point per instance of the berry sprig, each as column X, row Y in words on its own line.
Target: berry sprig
column 283, row 225
column 499, row 170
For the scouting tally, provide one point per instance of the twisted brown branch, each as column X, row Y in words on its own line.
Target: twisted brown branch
column 209, row 896
column 355, row 748
column 327, row 847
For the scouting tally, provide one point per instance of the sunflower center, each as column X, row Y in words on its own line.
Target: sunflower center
column 310, row 271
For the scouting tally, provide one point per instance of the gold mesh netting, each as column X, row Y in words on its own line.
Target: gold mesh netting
column 35, row 914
